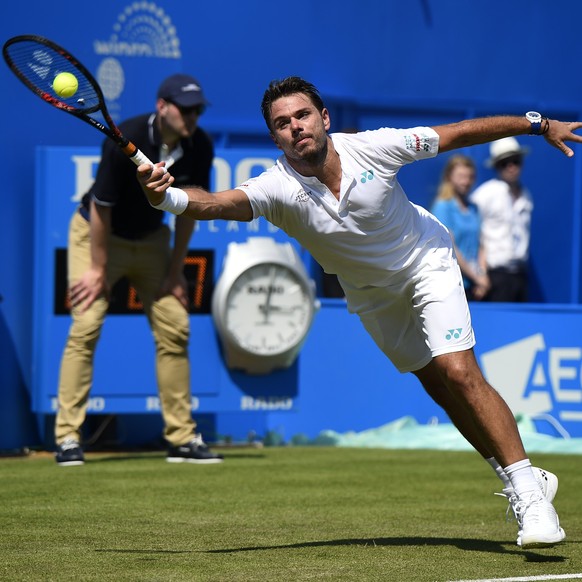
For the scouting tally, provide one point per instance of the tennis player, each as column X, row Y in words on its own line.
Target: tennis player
column 339, row 196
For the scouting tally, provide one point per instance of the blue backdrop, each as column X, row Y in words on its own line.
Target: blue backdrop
column 377, row 62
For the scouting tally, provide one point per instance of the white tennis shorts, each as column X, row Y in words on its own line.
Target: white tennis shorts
column 420, row 314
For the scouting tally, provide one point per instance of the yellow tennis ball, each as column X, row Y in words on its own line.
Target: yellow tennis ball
column 65, row 85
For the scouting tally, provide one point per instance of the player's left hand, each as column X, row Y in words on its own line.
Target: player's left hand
column 561, row 131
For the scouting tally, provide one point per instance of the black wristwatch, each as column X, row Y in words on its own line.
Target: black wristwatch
column 535, row 119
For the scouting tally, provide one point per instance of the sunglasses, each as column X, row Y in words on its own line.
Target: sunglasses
column 198, row 109
column 516, row 161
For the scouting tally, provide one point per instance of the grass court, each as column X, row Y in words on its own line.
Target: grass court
column 275, row 514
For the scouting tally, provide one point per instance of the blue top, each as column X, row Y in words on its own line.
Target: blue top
column 465, row 226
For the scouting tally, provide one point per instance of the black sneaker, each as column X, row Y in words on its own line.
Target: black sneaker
column 196, row 451
column 69, row 453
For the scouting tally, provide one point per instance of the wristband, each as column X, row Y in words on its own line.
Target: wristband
column 175, row 201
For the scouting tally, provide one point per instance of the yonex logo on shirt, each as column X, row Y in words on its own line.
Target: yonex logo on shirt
column 367, row 175
column 454, row 333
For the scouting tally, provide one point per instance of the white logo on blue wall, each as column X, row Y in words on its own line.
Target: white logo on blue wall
column 111, row 78
column 230, row 168
column 143, row 29
column 537, row 380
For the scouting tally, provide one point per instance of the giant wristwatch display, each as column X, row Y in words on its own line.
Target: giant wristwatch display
column 263, row 305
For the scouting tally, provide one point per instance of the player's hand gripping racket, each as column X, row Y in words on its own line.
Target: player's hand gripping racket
column 37, row 61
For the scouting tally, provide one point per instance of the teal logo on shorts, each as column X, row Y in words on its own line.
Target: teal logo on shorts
column 366, row 176
column 454, row 333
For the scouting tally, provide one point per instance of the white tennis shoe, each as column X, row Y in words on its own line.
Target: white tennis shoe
column 536, row 517
column 538, row 521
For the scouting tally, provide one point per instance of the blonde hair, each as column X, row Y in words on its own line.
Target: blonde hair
column 445, row 190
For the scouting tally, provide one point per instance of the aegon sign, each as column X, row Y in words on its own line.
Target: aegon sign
column 537, row 379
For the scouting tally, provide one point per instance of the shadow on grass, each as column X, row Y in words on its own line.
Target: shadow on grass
column 118, row 551
column 470, row 545
column 112, row 458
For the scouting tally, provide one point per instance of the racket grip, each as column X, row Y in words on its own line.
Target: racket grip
column 139, row 158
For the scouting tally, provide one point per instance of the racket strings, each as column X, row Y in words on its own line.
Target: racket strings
column 37, row 65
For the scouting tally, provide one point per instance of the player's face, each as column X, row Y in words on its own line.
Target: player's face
column 298, row 128
column 181, row 121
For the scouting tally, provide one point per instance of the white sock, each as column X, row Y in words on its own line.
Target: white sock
column 499, row 472
column 522, row 478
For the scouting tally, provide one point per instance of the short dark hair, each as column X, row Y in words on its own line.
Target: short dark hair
column 288, row 86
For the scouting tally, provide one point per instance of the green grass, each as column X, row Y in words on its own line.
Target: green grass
column 273, row 514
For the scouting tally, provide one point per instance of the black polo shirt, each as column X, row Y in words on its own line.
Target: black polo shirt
column 116, row 184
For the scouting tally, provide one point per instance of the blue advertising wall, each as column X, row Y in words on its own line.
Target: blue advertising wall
column 376, row 62
column 531, row 353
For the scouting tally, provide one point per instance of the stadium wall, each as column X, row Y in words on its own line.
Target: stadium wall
column 377, row 62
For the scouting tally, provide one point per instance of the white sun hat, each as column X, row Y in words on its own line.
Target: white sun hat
column 505, row 148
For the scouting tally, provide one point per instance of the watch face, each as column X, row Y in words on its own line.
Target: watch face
column 268, row 309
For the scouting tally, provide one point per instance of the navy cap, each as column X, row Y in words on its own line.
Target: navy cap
column 182, row 90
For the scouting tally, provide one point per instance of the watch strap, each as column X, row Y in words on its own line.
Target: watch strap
column 536, row 121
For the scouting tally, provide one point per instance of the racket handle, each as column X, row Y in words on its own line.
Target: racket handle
column 133, row 152
column 139, row 158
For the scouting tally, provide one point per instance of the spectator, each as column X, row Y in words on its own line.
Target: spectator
column 453, row 208
column 116, row 233
column 505, row 205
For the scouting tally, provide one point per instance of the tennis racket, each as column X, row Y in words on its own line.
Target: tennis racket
column 36, row 61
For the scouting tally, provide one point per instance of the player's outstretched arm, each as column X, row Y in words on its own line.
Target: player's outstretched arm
column 193, row 202
column 485, row 129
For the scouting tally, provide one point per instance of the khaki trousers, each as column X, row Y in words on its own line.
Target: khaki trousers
column 145, row 263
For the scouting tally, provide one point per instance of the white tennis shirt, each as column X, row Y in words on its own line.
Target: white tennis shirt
column 373, row 230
